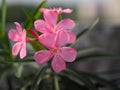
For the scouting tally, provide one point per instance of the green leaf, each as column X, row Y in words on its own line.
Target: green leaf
column 86, row 51
column 5, row 43
column 77, row 77
column 3, row 74
column 59, row 17
column 30, row 19
column 100, row 80
column 85, row 31
column 3, row 18
column 70, row 84
column 96, row 57
column 18, row 69
column 36, row 12
column 1, row 44
column 30, row 24
column 3, row 52
column 38, row 78
column 36, row 15
column 89, row 28
column 28, row 14
column 25, row 86
column 3, row 36
column 37, row 45
column 5, row 49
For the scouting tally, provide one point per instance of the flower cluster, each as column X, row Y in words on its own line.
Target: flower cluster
column 54, row 36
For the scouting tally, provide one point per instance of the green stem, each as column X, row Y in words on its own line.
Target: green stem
column 56, row 83
column 3, row 16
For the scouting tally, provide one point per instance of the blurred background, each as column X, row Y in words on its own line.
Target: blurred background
column 105, row 35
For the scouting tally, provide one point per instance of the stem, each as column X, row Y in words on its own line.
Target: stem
column 3, row 16
column 56, row 83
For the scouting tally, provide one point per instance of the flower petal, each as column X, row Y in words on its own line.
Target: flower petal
column 23, row 51
column 65, row 24
column 66, row 10
column 23, row 36
column 18, row 27
column 42, row 56
column 62, row 38
column 41, row 26
column 58, row 64
column 68, row 54
column 13, row 35
column 16, row 48
column 72, row 36
column 51, row 18
column 47, row 39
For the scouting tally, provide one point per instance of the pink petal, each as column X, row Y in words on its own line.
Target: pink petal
column 16, row 48
column 51, row 18
column 13, row 35
column 23, row 36
column 65, row 24
column 18, row 27
column 66, row 10
column 62, row 38
column 41, row 26
column 47, row 39
column 58, row 64
column 72, row 36
column 42, row 56
column 23, row 51
column 68, row 54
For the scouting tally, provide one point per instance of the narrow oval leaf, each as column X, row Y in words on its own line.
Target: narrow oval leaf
column 18, row 69
column 85, row 31
column 38, row 78
column 36, row 15
column 100, row 81
column 97, row 57
column 89, row 28
column 78, row 77
column 30, row 24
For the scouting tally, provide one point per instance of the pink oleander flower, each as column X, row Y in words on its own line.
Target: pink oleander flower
column 57, row 50
column 19, row 37
column 58, row 10
column 50, row 25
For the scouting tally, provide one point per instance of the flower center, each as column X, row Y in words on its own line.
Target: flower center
column 55, row 49
column 55, row 30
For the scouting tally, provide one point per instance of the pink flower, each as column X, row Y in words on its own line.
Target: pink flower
column 57, row 50
column 19, row 37
column 50, row 25
column 58, row 10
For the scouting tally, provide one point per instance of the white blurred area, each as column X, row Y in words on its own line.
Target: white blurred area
column 109, row 10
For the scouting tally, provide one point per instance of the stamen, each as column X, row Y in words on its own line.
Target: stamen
column 55, row 49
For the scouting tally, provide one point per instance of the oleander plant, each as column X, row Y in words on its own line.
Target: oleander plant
column 36, row 54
